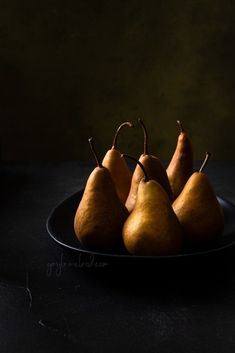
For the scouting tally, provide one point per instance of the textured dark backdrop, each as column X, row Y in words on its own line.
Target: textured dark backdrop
column 72, row 69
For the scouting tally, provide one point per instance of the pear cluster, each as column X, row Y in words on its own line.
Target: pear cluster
column 153, row 211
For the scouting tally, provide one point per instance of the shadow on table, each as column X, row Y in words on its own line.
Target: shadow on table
column 204, row 277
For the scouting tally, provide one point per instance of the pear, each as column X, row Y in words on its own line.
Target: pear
column 198, row 209
column 100, row 215
column 152, row 228
column 180, row 167
column 154, row 168
column 118, row 167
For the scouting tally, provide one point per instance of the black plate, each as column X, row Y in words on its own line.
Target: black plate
column 60, row 228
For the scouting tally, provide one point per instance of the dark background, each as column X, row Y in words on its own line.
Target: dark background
column 72, row 69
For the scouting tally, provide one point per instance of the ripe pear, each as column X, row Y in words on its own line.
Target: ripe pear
column 198, row 209
column 118, row 167
column 155, row 171
column 152, row 228
column 100, row 215
column 180, row 167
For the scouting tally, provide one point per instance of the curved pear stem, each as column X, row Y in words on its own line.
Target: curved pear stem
column 99, row 164
column 146, row 178
column 208, row 154
column 180, row 126
column 145, row 136
column 126, row 123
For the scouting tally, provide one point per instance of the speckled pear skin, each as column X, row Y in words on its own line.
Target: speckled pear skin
column 155, row 171
column 199, row 211
column 120, row 172
column 152, row 228
column 180, row 167
column 100, row 215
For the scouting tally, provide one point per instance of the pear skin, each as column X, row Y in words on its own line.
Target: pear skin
column 152, row 228
column 155, row 171
column 180, row 167
column 120, row 172
column 199, row 211
column 100, row 215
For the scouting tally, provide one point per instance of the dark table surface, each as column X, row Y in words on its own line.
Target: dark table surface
column 152, row 307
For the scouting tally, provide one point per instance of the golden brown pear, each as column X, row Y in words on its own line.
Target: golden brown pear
column 198, row 210
column 152, row 228
column 118, row 167
column 100, row 215
column 180, row 167
column 154, row 169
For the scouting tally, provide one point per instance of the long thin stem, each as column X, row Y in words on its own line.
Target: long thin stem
column 180, row 126
column 145, row 136
column 99, row 164
column 126, row 123
column 208, row 154
column 146, row 178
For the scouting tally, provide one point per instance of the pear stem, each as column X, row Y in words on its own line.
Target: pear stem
column 99, row 164
column 181, row 126
column 145, row 136
column 208, row 154
column 126, row 123
column 146, row 178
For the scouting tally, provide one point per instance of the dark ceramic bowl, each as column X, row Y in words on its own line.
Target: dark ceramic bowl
column 60, row 228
